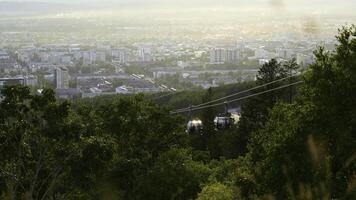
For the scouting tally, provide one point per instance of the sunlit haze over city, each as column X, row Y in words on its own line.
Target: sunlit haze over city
column 177, row 99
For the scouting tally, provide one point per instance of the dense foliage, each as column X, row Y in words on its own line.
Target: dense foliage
column 290, row 144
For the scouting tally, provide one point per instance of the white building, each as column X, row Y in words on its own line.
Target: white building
column 183, row 64
column 122, row 90
column 95, row 90
column 144, row 54
column 232, row 56
column 303, row 59
column 4, row 55
column 199, row 54
column 263, row 61
column 217, row 56
column 66, row 59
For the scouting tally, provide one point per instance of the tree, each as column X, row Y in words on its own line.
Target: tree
column 141, row 131
column 291, row 67
column 270, row 72
column 255, row 111
column 216, row 191
column 306, row 149
column 205, row 141
column 41, row 143
column 174, row 176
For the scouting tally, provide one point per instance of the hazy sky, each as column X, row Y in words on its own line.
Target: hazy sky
column 204, row 3
column 331, row 6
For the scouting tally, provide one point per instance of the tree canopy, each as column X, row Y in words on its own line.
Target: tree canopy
column 297, row 143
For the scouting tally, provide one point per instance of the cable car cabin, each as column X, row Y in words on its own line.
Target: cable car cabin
column 195, row 127
column 223, row 123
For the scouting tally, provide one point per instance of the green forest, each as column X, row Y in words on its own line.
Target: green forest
column 298, row 143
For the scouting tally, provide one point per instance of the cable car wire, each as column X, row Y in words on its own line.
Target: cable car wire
column 245, row 91
column 164, row 95
column 195, row 108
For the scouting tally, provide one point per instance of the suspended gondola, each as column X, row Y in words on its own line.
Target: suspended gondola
column 224, row 121
column 194, row 126
column 227, row 120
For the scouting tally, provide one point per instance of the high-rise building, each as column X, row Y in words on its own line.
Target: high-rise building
column 61, row 78
column 144, row 54
column 284, row 53
column 7, row 64
column 232, row 56
column 100, row 56
column 89, row 57
column 217, row 56
column 222, row 55
column 120, row 55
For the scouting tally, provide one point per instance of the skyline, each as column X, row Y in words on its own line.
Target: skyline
column 341, row 5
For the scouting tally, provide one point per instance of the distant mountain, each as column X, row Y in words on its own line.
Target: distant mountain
column 31, row 7
column 47, row 6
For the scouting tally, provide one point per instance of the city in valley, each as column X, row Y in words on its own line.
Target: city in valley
column 177, row 99
column 88, row 54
